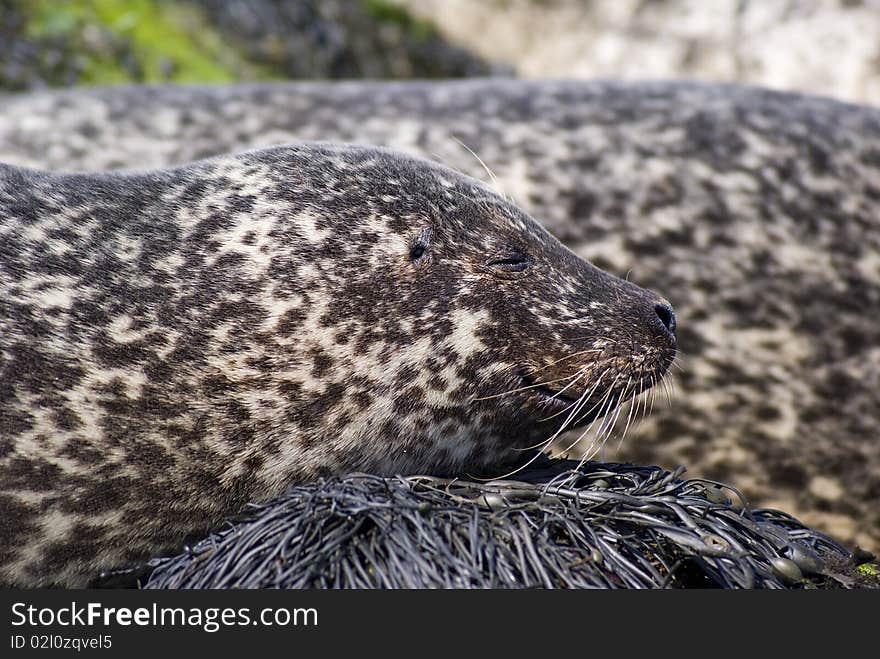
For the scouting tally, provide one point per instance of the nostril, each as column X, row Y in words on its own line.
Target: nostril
column 667, row 316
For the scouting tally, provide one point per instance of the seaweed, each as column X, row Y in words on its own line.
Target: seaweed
column 562, row 525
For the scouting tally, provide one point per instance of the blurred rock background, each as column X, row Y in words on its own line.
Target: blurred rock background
column 827, row 47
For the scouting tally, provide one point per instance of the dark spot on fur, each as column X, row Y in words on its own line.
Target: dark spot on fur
column 321, row 362
column 237, row 412
column 82, row 451
column 18, row 520
column 83, row 542
column 31, row 474
column 362, row 400
column 767, row 413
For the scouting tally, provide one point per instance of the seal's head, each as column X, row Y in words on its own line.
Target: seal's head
column 184, row 341
column 450, row 326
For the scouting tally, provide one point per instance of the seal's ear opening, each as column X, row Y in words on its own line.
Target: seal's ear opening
column 419, row 247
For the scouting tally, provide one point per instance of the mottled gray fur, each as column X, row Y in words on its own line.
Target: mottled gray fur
column 176, row 343
column 757, row 212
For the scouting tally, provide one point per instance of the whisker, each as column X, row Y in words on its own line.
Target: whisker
column 602, row 400
column 517, row 390
column 483, row 164
column 583, row 397
column 600, row 404
column 615, row 415
column 606, row 402
column 582, row 434
column 629, row 418
column 518, row 469
column 666, row 392
column 581, row 403
column 562, row 359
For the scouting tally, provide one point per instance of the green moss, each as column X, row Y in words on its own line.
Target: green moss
column 145, row 40
column 418, row 28
column 60, row 21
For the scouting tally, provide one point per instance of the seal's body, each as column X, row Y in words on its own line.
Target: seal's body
column 758, row 210
column 177, row 343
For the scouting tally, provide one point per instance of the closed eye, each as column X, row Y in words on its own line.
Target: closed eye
column 510, row 262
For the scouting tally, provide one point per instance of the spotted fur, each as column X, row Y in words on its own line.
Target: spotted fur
column 174, row 344
column 757, row 211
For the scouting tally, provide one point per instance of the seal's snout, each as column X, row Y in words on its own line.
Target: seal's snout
column 667, row 316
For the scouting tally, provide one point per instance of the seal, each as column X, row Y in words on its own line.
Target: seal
column 759, row 209
column 178, row 343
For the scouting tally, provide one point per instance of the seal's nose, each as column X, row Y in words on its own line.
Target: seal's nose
column 666, row 316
